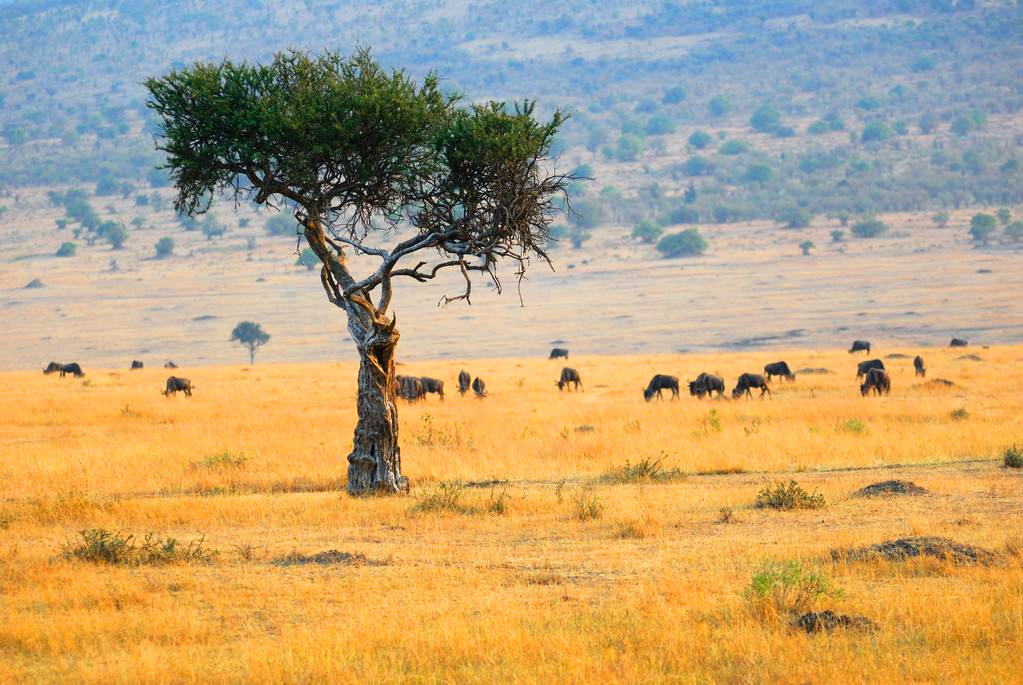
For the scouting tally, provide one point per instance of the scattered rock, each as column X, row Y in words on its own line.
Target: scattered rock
column 969, row 358
column 814, row 370
column 34, row 283
column 891, row 487
column 897, row 355
column 902, row 549
column 327, row 558
column 827, row 621
column 983, row 271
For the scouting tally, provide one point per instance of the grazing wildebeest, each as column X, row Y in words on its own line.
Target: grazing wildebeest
column 174, row 384
column 779, row 369
column 661, row 382
column 136, row 364
column 558, row 353
column 170, row 365
column 479, row 387
column 863, row 367
column 860, row 346
column 877, row 380
column 958, row 342
column 464, row 381
column 410, row 388
column 433, row 385
column 747, row 382
column 918, row 364
column 568, row 376
column 707, row 383
column 73, row 368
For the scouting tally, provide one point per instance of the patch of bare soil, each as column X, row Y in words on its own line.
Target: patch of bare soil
column 891, row 487
column 827, row 621
column 904, row 549
column 327, row 558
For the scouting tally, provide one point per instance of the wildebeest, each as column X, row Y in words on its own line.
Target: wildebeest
column 558, row 353
column 434, row 385
column 174, row 384
column 170, row 365
column 779, row 369
column 568, row 376
column 479, row 387
column 136, row 364
column 918, row 364
column 863, row 367
column 464, row 381
column 707, row 383
column 747, row 382
column 661, row 382
column 877, row 380
column 410, row 388
column 73, row 368
column 958, row 342
column 860, row 346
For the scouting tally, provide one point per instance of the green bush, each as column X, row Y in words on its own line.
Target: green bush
column 795, row 217
column 164, row 247
column 806, row 246
column 700, row 139
column 67, row 250
column 101, row 546
column 789, row 495
column 765, row 119
column 869, row 228
column 687, row 243
column 734, row 147
column 758, row 173
column 981, row 227
column 647, row 231
column 644, row 471
column 875, row 131
column 1014, row 458
column 779, row 589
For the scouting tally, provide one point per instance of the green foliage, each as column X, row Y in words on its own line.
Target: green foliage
column 789, row 495
column 308, row 259
column 837, row 235
column 806, row 246
column 211, row 228
column 1004, row 216
column 251, row 335
column 719, row 106
column 960, row 414
column 697, row 166
column 687, row 243
column 787, row 588
column 116, row 235
column 700, row 139
column 928, row 122
column 100, row 546
column 282, row 224
column 734, row 147
column 588, row 212
column 869, row 228
column 875, row 131
column 1014, row 232
column 758, row 173
column 981, row 227
column 164, row 247
column 674, row 95
column 765, row 119
column 647, row 470
column 795, row 217
column 1013, row 458
column 940, row 219
column 647, row 231
column 588, row 506
column 683, row 214
column 660, row 125
column 223, row 460
column 445, row 498
column 629, row 148
column 578, row 236
column 106, row 185
column 67, row 250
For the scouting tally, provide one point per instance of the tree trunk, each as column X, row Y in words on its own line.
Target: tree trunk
column 252, row 355
column 375, row 462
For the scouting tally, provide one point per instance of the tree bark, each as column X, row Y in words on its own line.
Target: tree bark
column 375, row 462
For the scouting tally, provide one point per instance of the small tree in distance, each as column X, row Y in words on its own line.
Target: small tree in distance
column 687, row 243
column 164, row 247
column 806, row 246
column 647, row 231
column 308, row 259
column 252, row 336
column 981, row 228
column 940, row 219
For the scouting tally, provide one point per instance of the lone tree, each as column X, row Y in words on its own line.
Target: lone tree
column 359, row 154
column 252, row 336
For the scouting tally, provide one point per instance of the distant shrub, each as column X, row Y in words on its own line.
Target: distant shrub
column 67, row 250
column 700, row 139
column 1014, row 458
column 758, row 173
column 687, row 243
column 660, row 125
column 281, row 224
column 683, row 214
column 780, row 589
column 869, row 228
column 225, row 459
column 308, row 259
column 647, row 470
column 940, row 219
column 697, row 166
column 734, row 147
column 164, row 247
column 719, row 106
column 875, row 131
column 795, row 217
column 446, row 497
column 765, row 119
column 789, row 495
column 837, row 236
column 101, row 546
column 588, row 506
column 981, row 227
column 647, row 231
column 960, row 414
column 674, row 95
column 629, row 148
column 806, row 246
column 1014, row 232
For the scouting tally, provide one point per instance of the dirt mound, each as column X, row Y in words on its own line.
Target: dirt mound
column 891, row 487
column 902, row 549
column 969, row 358
column 813, row 370
column 897, row 355
column 827, row 621
column 938, row 383
column 327, row 558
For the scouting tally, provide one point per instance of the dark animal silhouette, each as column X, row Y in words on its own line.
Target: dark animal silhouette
column 479, row 387
column 464, row 381
column 863, row 367
column 170, row 365
column 661, row 382
column 63, row 369
column 958, row 342
column 410, row 388
column 568, row 376
column 705, row 384
column 747, row 382
column 433, row 385
column 136, row 364
column 558, row 353
column 175, row 384
column 779, row 369
column 860, row 346
column 877, row 380
column 918, row 364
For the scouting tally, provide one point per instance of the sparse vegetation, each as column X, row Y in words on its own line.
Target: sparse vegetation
column 1013, row 458
column 67, row 250
column 101, row 546
column 687, row 243
column 791, row 495
column 647, row 470
column 783, row 589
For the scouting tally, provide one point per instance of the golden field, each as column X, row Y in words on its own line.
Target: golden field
column 511, row 582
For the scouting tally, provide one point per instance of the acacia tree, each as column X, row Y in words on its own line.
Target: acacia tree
column 363, row 156
column 251, row 335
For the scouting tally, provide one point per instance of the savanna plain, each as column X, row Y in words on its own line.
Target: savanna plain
column 549, row 536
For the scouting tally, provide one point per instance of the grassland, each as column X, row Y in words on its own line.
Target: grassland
column 516, row 557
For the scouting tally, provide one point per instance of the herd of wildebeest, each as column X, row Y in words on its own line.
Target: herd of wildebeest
column 415, row 388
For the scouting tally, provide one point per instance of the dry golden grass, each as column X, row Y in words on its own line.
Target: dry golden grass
column 550, row 574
